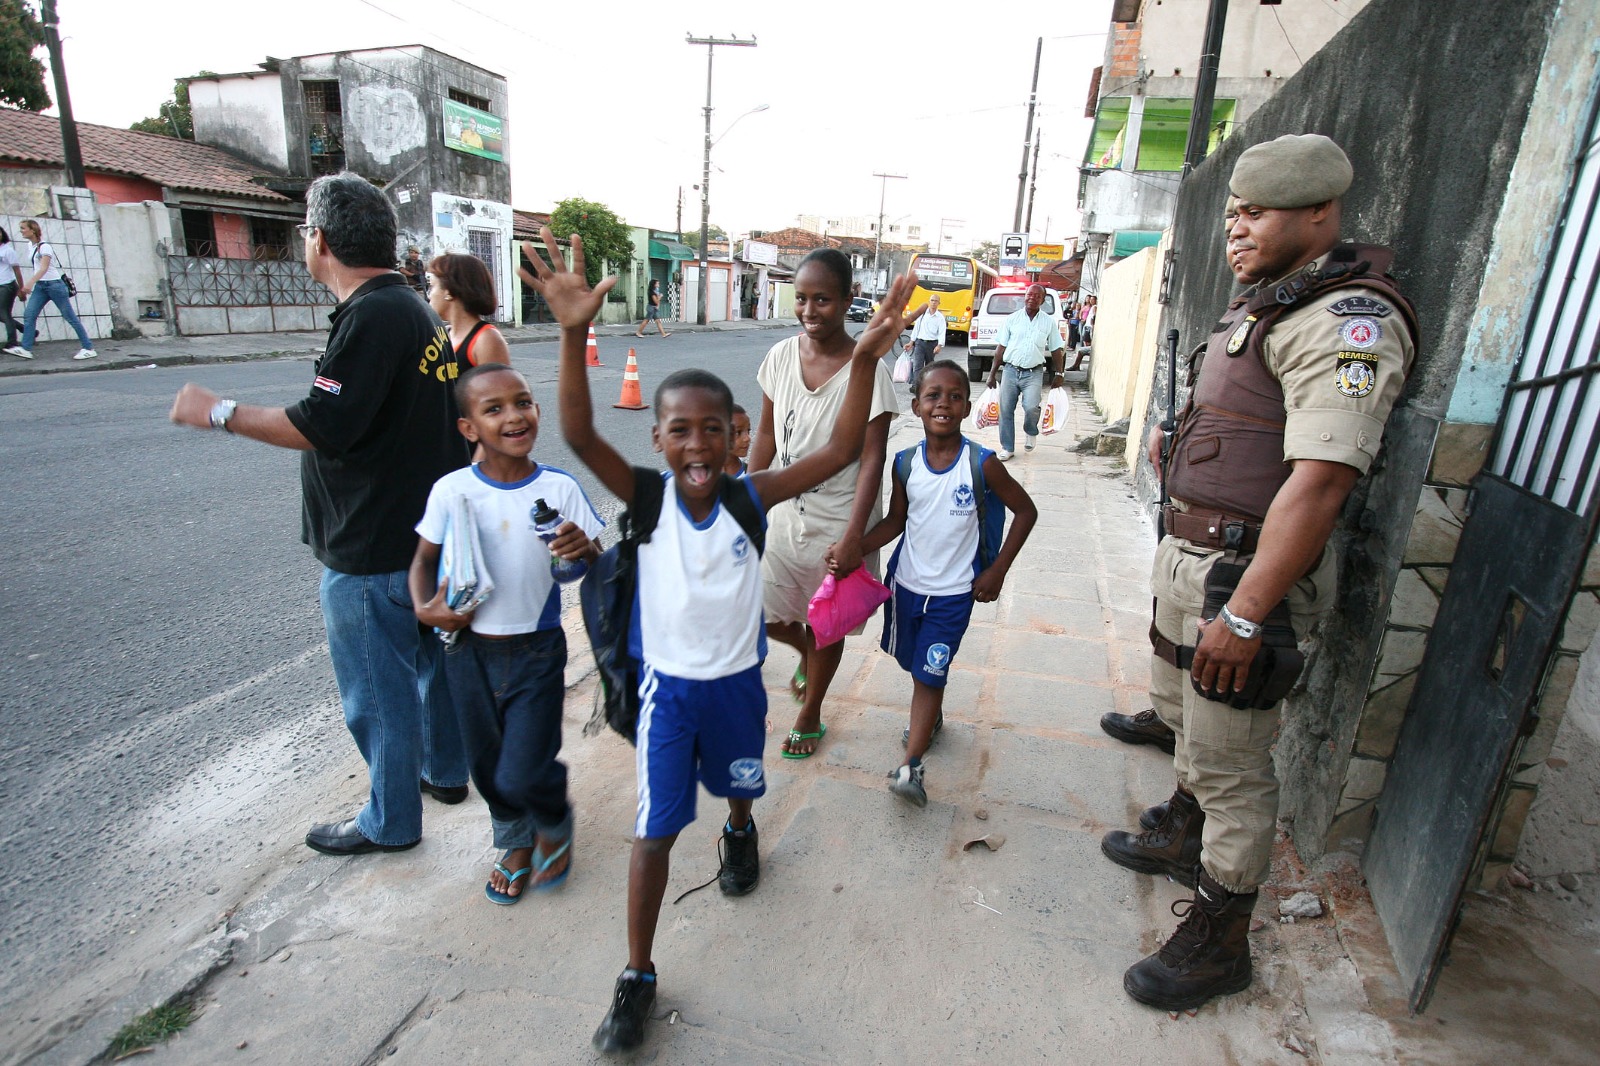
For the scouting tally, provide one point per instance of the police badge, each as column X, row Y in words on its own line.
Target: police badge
column 1236, row 341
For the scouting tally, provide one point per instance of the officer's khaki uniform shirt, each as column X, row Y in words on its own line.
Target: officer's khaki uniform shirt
column 1342, row 360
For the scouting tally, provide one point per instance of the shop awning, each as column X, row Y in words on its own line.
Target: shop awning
column 1128, row 241
column 671, row 250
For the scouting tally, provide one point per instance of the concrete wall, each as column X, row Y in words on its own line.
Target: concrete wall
column 243, row 113
column 1121, row 327
column 1431, row 112
column 454, row 217
column 77, row 245
column 1116, row 199
column 136, row 239
column 1257, row 38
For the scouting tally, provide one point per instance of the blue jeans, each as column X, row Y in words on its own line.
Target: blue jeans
column 509, row 692
column 1030, row 384
column 396, row 703
column 56, row 293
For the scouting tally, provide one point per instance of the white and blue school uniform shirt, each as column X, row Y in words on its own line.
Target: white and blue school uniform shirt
column 526, row 599
column 938, row 554
column 699, row 593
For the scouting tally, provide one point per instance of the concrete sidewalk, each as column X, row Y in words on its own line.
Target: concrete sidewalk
column 55, row 357
column 879, row 932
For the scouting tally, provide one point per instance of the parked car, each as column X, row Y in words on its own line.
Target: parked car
column 998, row 303
column 860, row 309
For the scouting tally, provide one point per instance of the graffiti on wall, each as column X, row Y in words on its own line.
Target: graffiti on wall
column 387, row 121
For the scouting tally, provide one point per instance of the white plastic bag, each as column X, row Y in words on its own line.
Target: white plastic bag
column 902, row 368
column 1054, row 412
column 986, row 408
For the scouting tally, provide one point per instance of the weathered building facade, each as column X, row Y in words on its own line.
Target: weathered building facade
column 430, row 129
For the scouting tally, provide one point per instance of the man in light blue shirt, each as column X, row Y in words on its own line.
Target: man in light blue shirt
column 927, row 339
column 1028, row 339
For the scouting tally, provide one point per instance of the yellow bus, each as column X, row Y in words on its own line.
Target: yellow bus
column 960, row 283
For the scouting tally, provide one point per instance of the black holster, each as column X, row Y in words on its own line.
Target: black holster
column 1278, row 663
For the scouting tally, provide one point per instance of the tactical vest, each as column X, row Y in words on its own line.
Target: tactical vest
column 1227, row 452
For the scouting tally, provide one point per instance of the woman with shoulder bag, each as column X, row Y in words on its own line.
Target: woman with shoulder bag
column 47, row 283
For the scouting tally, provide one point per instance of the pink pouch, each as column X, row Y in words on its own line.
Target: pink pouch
column 844, row 603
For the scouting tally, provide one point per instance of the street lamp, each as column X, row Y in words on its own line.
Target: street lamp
column 711, row 44
column 877, row 244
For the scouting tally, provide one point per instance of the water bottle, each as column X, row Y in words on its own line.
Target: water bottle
column 546, row 521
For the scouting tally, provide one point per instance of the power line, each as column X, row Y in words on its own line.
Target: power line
column 1279, row 19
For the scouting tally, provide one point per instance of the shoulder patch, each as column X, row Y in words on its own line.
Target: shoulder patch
column 1359, row 305
column 1357, row 375
column 1360, row 333
column 327, row 385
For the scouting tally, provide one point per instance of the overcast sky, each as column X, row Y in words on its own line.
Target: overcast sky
column 607, row 98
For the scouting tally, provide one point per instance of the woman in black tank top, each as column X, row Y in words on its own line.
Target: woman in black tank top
column 461, row 291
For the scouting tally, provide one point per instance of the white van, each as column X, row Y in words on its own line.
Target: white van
column 998, row 304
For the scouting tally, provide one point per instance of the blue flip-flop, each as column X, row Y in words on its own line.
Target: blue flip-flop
column 502, row 898
column 543, row 863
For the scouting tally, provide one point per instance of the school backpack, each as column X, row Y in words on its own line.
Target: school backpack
column 991, row 512
column 606, row 595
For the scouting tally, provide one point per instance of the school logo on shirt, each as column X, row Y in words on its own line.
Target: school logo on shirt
column 962, row 497
column 744, row 774
column 938, row 659
column 741, row 548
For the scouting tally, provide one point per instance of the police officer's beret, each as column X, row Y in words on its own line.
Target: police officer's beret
column 1292, row 171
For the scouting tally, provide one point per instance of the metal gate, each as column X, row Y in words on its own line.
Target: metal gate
column 485, row 245
column 1531, row 520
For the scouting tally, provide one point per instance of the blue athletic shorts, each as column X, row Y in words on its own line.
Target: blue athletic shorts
column 923, row 633
column 712, row 732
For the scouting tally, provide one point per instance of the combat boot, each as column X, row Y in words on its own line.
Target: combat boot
column 1171, row 848
column 1209, row 955
column 1146, row 727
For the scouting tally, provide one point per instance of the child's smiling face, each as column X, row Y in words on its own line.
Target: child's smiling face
column 943, row 399
column 691, row 433
column 741, row 434
column 500, row 414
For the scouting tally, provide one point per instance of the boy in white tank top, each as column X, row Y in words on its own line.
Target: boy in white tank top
column 936, row 572
column 701, row 638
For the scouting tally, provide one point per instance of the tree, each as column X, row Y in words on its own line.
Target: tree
column 21, row 74
column 715, row 232
column 987, row 253
column 174, row 118
column 605, row 236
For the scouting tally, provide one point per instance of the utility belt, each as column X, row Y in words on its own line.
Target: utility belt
column 1278, row 662
column 1215, row 531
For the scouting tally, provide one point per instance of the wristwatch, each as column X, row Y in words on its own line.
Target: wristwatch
column 221, row 412
column 1238, row 626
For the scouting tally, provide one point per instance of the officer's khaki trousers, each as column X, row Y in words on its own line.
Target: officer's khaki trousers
column 1223, row 756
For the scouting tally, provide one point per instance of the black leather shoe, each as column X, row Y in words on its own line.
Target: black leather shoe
column 343, row 838
column 451, row 794
column 1142, row 728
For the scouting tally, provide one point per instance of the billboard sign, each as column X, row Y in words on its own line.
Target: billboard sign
column 466, row 129
column 1042, row 255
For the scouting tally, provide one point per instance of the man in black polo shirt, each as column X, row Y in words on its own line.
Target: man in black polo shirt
column 376, row 430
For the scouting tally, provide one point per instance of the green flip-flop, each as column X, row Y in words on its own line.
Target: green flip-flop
column 795, row 736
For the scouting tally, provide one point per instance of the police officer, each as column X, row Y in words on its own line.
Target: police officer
column 1288, row 404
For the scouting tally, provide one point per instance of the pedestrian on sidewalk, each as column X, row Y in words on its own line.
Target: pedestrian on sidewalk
column 1024, row 347
column 461, row 292
column 927, row 339
column 945, row 561
column 47, row 284
column 376, row 430
column 1297, row 382
column 506, row 664
column 652, row 312
column 803, row 384
column 11, row 272
column 700, row 631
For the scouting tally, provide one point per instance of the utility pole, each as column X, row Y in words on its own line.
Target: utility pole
column 58, row 68
column 1027, row 137
column 1033, row 183
column 704, row 287
column 877, row 244
column 1205, row 90
column 680, row 212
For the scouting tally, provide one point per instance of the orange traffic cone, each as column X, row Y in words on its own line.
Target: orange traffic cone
column 630, row 399
column 593, row 353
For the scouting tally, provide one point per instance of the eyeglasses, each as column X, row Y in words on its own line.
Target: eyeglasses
column 305, row 229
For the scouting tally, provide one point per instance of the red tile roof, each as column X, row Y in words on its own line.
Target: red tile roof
column 29, row 137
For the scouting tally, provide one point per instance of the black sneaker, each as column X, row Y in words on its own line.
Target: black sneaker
column 741, row 860
column 906, row 782
column 623, row 1028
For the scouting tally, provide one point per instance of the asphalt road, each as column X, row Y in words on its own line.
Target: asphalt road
column 170, row 722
